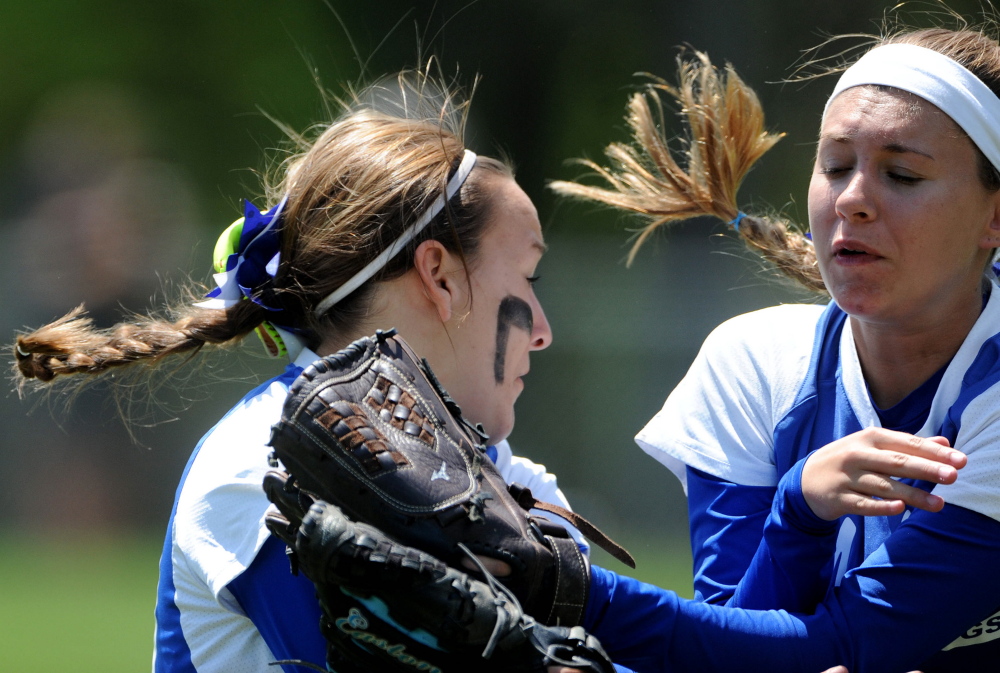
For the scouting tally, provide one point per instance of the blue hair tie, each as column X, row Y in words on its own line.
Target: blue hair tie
column 735, row 224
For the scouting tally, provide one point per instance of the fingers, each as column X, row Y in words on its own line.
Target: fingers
column 903, row 456
column 281, row 527
column 886, row 490
column 290, row 501
column 897, row 454
column 858, row 474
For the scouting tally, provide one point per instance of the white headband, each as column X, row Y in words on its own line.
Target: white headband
column 938, row 80
column 373, row 267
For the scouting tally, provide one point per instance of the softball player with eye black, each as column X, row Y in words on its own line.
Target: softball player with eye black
column 384, row 220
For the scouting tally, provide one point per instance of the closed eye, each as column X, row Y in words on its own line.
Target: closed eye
column 904, row 179
column 533, row 279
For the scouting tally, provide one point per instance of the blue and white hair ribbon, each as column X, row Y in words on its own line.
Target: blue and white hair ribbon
column 373, row 267
column 246, row 259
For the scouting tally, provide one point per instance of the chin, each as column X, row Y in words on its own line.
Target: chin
column 500, row 430
column 858, row 300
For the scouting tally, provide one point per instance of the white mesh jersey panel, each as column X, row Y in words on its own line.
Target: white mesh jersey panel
column 721, row 417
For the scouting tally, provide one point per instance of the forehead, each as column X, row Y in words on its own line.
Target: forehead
column 887, row 113
column 513, row 225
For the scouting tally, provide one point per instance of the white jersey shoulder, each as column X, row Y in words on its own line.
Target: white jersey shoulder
column 721, row 416
column 979, row 431
column 217, row 530
column 220, row 510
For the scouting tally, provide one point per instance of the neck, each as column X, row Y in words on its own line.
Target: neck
column 896, row 359
column 398, row 303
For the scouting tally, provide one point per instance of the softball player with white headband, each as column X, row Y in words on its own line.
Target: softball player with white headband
column 842, row 462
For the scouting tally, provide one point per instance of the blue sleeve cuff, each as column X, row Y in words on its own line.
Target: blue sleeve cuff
column 790, row 507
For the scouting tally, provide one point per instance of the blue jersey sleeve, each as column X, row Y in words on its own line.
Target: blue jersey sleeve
column 282, row 606
column 933, row 578
column 792, row 565
column 726, row 522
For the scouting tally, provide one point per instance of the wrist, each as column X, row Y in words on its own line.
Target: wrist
column 791, row 506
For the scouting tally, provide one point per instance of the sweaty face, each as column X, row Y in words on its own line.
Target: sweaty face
column 900, row 220
column 493, row 338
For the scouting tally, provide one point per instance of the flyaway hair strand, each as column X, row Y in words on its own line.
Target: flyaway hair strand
column 725, row 136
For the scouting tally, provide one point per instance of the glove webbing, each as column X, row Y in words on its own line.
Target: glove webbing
column 526, row 500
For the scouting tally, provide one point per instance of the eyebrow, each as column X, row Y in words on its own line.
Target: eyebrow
column 541, row 247
column 896, row 148
column 893, row 148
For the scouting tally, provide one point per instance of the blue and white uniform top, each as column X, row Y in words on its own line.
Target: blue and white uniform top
column 915, row 591
column 226, row 601
column 726, row 416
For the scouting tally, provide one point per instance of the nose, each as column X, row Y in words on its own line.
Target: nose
column 541, row 331
column 856, row 203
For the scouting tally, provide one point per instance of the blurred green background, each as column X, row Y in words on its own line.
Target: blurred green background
column 129, row 133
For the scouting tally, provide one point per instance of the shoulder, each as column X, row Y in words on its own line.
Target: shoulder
column 543, row 485
column 761, row 356
column 769, row 330
column 721, row 416
column 967, row 409
column 217, row 523
column 515, row 469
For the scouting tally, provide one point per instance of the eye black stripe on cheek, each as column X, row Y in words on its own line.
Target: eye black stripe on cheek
column 513, row 312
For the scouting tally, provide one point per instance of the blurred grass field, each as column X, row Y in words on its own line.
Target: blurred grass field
column 73, row 605
column 87, row 605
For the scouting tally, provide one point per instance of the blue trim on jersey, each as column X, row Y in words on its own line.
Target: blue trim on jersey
column 980, row 376
column 804, row 428
column 282, row 606
column 172, row 652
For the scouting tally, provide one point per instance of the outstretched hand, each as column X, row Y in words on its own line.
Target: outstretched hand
column 853, row 475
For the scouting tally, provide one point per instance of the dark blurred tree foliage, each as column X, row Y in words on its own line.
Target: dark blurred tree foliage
column 554, row 72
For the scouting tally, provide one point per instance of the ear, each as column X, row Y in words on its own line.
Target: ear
column 991, row 235
column 442, row 278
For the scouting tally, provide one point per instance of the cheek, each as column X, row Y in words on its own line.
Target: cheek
column 822, row 211
column 820, row 201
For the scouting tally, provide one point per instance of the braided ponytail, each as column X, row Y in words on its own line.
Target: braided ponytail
column 71, row 344
column 726, row 136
